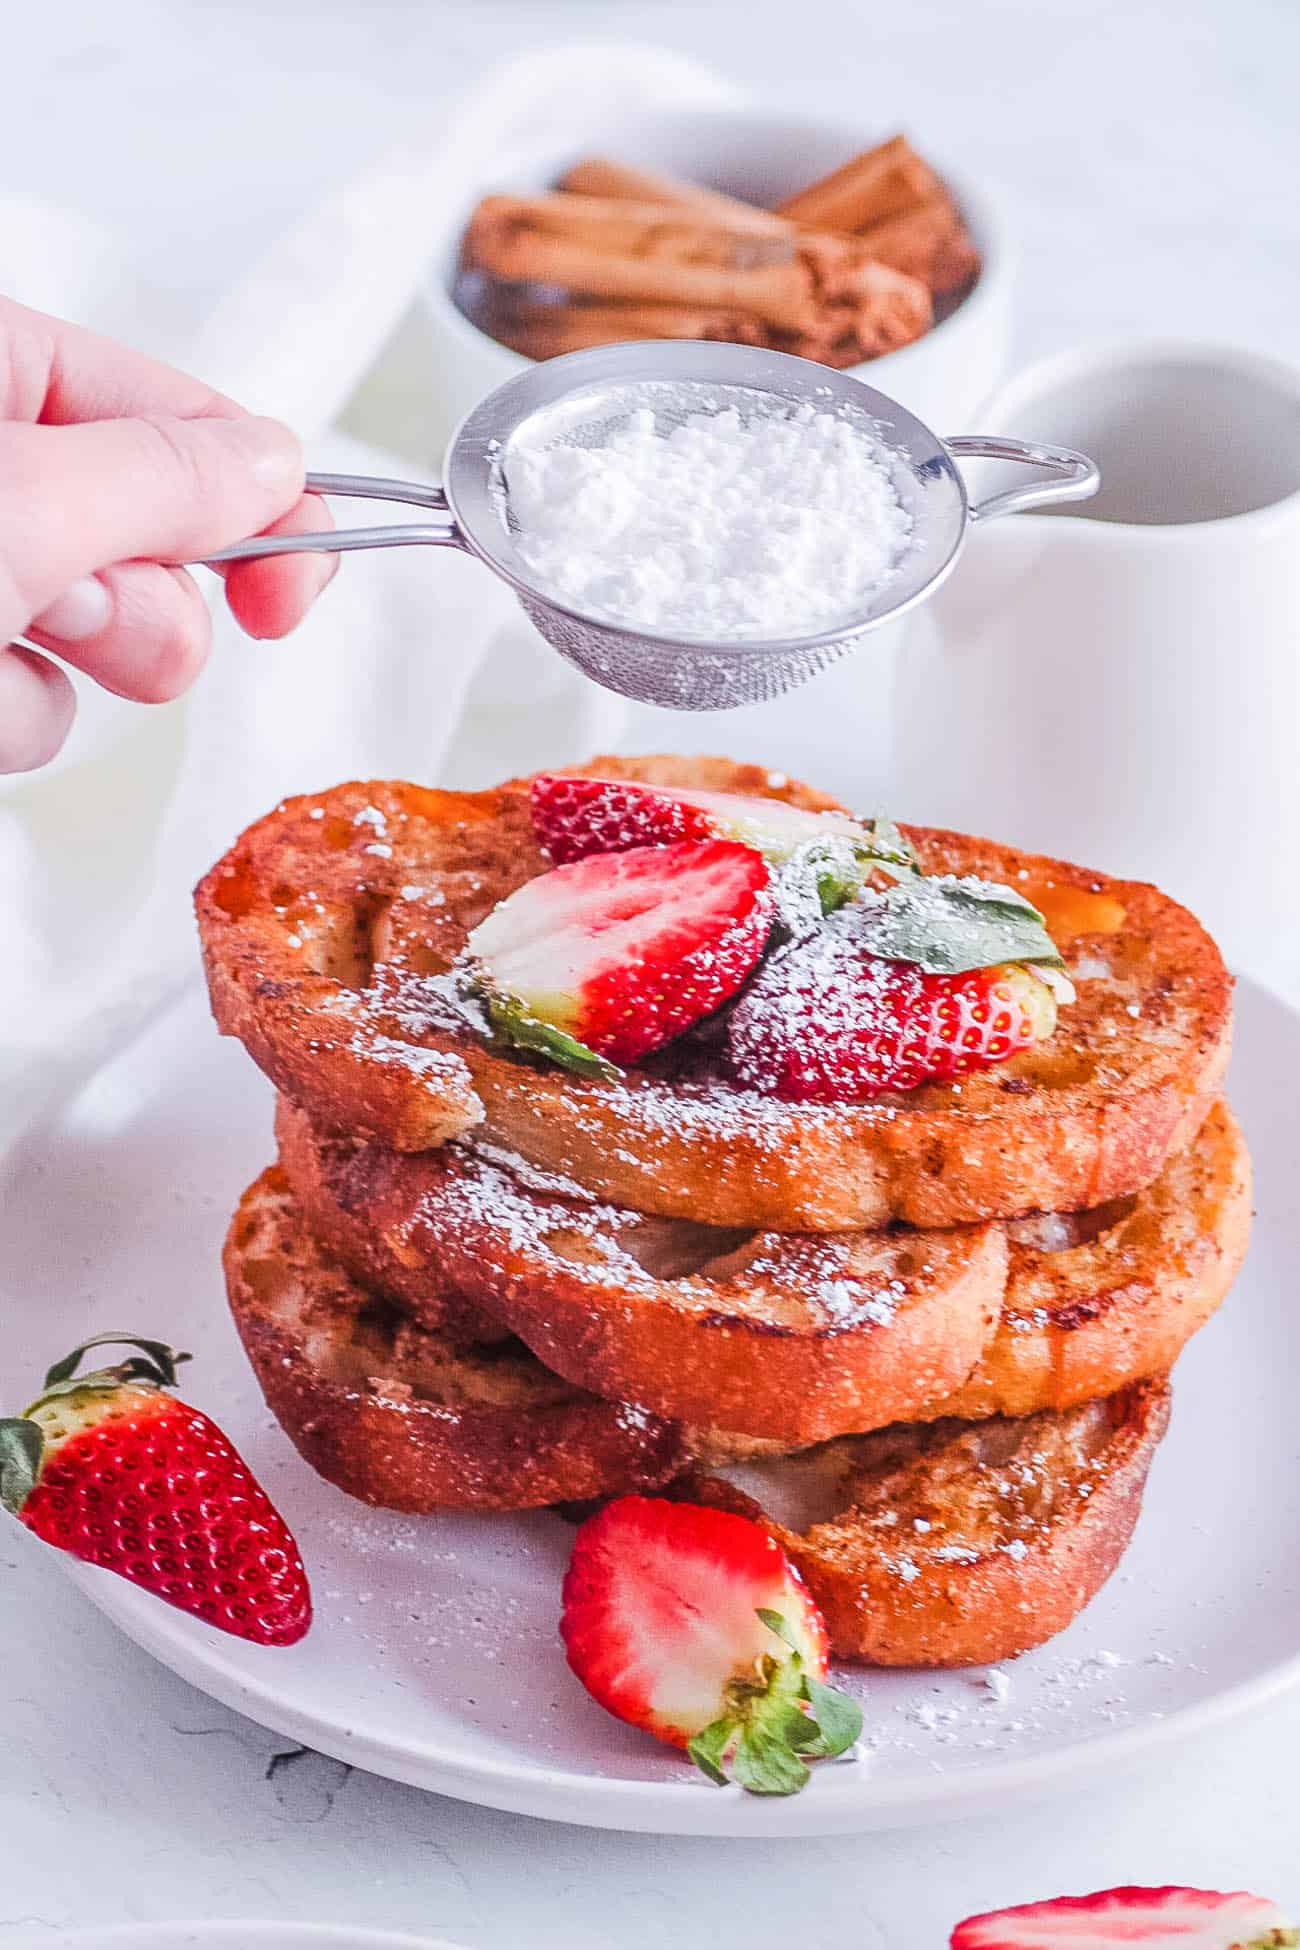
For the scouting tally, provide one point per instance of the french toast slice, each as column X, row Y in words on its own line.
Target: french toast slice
column 787, row 1336
column 329, row 926
column 942, row 1544
column 956, row 1543
column 402, row 1417
column 363, row 1221
column 662, row 1312
column 1098, row 1299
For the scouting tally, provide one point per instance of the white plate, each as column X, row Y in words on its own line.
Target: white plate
column 241, row 1936
column 435, row 1658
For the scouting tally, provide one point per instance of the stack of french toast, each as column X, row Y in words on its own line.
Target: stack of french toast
column 659, row 1126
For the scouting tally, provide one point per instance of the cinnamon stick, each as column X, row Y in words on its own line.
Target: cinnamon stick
column 805, row 286
column 601, row 176
column 929, row 242
column 925, row 239
column 548, row 330
column 882, row 182
column 545, row 331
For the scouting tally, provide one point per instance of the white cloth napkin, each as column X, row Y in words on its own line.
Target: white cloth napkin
column 416, row 663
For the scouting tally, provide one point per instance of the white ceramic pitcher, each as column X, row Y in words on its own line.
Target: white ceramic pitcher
column 1121, row 684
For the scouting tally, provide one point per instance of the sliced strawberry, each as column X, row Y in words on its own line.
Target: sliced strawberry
column 692, row 1624
column 827, row 1023
column 575, row 817
column 620, row 952
column 1163, row 1919
column 924, row 981
column 114, row 1469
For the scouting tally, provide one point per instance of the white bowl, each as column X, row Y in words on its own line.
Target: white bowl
column 764, row 155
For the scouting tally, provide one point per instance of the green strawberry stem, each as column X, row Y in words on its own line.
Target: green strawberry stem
column 22, row 1442
column 21, row 1447
column 517, row 1027
column 775, row 1723
column 156, row 1362
column 1275, row 1940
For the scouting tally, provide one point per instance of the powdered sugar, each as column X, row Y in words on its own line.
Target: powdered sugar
column 744, row 520
column 509, row 1214
column 808, row 995
column 1045, row 1232
column 550, row 1184
column 442, row 1067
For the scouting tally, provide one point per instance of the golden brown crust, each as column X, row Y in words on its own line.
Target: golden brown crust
column 1117, row 1304
column 362, row 1222
column 959, row 1543
column 792, row 1337
column 384, row 881
column 1120, row 1302
column 401, row 1418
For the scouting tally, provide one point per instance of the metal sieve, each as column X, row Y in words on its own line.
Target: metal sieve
column 574, row 397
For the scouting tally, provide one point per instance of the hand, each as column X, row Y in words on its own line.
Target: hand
column 113, row 469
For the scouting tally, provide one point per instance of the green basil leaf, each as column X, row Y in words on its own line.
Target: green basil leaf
column 947, row 926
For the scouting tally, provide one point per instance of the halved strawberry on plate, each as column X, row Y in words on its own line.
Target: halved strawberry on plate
column 575, row 817
column 597, row 963
column 692, row 1624
column 1157, row 1919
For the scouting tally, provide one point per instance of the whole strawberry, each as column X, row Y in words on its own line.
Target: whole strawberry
column 599, row 962
column 692, row 1624
column 1163, row 1919
column 113, row 1468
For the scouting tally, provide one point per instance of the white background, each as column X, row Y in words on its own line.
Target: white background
column 1150, row 154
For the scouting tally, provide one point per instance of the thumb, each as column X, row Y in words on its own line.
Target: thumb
column 78, row 498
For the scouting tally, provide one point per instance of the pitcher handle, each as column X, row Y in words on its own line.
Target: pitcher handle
column 1071, row 476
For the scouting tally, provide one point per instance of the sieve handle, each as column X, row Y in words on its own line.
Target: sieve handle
column 1070, row 476
column 329, row 541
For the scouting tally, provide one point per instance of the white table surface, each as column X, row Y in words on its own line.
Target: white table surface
column 1151, row 150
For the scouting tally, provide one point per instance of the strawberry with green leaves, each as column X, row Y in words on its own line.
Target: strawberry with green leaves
column 576, row 817
column 923, row 983
column 597, row 963
column 1160, row 1919
column 115, row 1469
column 692, row 1624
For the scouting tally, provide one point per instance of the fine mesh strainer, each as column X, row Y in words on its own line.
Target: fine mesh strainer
column 572, row 399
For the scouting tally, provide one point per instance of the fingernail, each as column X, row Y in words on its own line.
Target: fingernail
column 85, row 609
column 268, row 449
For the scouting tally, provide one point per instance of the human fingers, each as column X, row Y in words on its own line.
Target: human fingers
column 37, row 706
column 80, row 498
column 56, row 374
column 270, row 596
column 141, row 630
